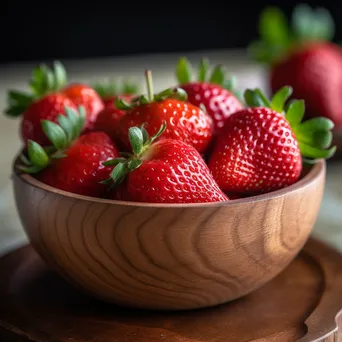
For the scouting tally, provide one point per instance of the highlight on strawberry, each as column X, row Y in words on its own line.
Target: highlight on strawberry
column 210, row 90
column 185, row 121
column 301, row 54
column 48, row 95
column 162, row 171
column 262, row 148
column 71, row 162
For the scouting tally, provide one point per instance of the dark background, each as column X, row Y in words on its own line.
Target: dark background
column 37, row 30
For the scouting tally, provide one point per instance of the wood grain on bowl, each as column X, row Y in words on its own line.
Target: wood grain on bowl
column 169, row 256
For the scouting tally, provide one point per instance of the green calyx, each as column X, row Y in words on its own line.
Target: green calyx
column 314, row 136
column 170, row 93
column 127, row 162
column 43, row 81
column 184, row 72
column 112, row 88
column 278, row 36
column 61, row 135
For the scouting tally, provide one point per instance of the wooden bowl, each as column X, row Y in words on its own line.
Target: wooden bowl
column 169, row 257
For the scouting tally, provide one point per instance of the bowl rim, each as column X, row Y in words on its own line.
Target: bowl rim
column 314, row 172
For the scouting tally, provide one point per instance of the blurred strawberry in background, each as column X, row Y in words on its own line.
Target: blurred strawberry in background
column 300, row 53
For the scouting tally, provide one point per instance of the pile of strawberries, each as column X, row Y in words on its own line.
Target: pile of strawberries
column 198, row 141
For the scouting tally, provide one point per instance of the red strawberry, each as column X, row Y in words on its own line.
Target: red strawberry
column 84, row 95
column 48, row 97
column 164, row 171
column 302, row 56
column 108, row 117
column 46, row 108
column 260, row 149
column 71, row 163
column 184, row 121
column 216, row 94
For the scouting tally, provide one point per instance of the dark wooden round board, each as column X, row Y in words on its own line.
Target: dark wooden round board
column 299, row 305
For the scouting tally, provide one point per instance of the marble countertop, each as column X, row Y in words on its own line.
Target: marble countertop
column 328, row 226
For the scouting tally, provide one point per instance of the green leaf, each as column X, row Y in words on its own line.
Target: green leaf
column 319, row 123
column 55, row 134
column 66, row 126
column 122, row 104
column 30, row 169
column 15, row 97
column 183, row 71
column 113, row 162
column 264, row 52
column 118, row 173
column 230, row 83
column 310, row 24
column 159, row 133
column 73, row 118
column 60, row 75
column 80, row 120
column 295, row 112
column 273, row 27
column 136, row 139
column 280, row 97
column 218, row 75
column 129, row 88
column 15, row 111
column 145, row 134
column 203, row 70
column 323, row 139
column 255, row 98
column 308, row 151
column 37, row 154
column 134, row 164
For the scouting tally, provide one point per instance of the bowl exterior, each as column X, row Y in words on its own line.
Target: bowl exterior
column 168, row 258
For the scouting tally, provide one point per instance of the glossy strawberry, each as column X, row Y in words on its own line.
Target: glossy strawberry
column 71, row 163
column 45, row 108
column 84, row 95
column 48, row 95
column 303, row 57
column 215, row 93
column 108, row 118
column 163, row 171
column 185, row 121
column 260, row 149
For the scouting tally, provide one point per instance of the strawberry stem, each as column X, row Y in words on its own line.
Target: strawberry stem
column 149, row 85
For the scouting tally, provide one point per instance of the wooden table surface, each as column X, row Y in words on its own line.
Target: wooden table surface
column 328, row 226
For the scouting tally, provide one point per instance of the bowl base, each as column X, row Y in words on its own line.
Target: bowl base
column 299, row 304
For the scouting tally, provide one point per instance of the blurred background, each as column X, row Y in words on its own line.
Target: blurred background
column 101, row 39
column 43, row 30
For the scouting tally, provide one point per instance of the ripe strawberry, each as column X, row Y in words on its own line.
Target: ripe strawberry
column 108, row 118
column 260, row 149
column 84, row 95
column 48, row 97
column 184, row 121
column 71, row 163
column 303, row 57
column 45, row 108
column 163, row 171
column 216, row 94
